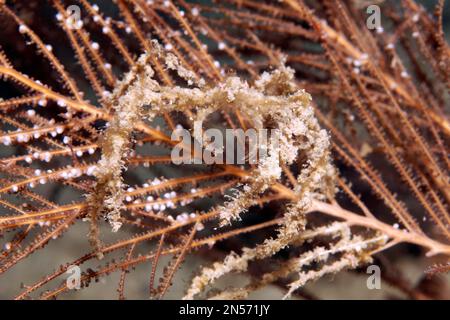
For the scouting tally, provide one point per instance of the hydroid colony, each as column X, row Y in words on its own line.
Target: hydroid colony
column 361, row 112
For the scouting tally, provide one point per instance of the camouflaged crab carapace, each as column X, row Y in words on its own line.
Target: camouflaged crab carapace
column 88, row 104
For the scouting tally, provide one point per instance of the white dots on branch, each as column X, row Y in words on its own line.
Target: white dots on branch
column 23, row 28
